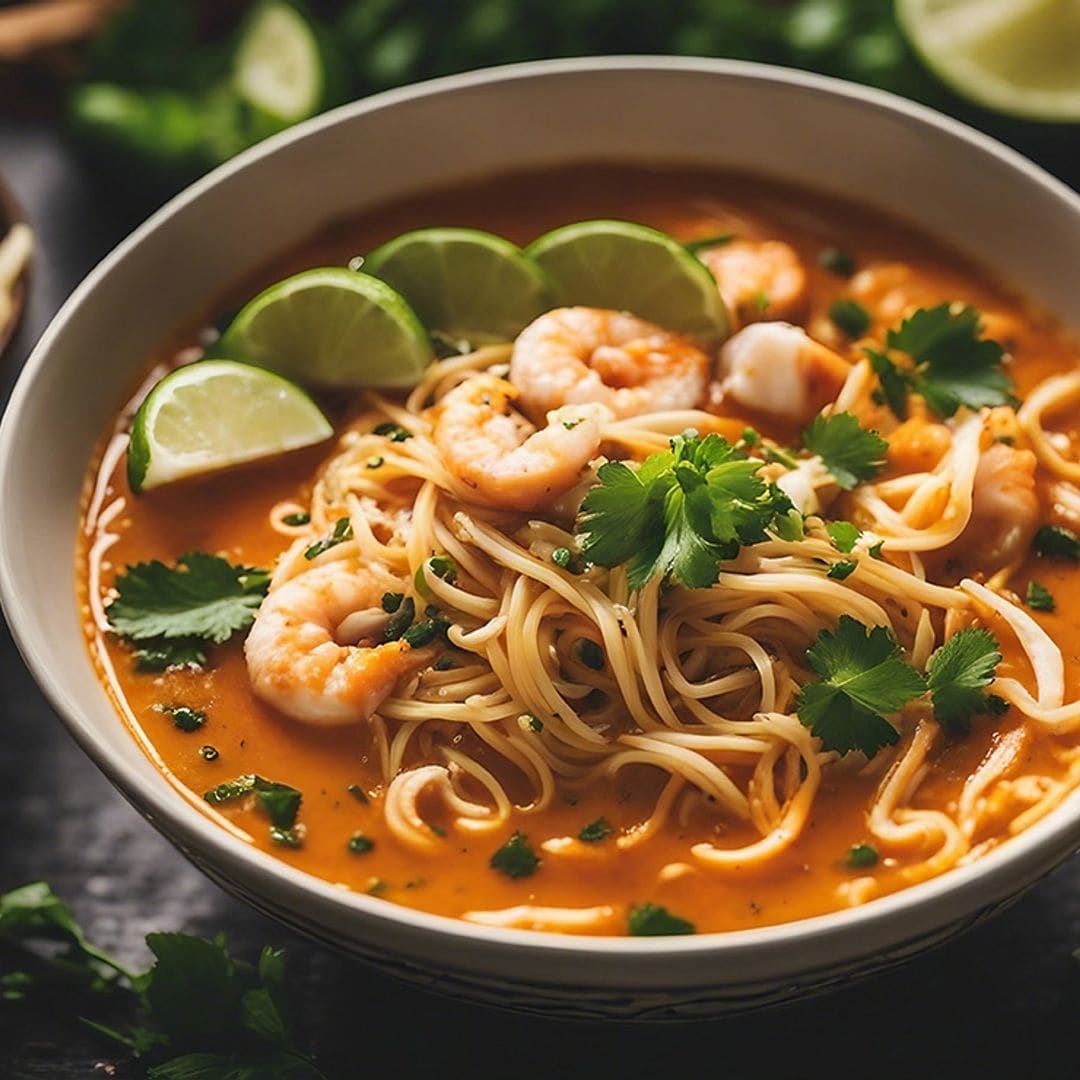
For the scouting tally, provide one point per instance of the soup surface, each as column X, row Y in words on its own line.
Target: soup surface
column 818, row 830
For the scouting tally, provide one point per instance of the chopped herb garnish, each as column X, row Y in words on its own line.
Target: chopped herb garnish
column 534, row 723
column 841, row 570
column 209, row 753
column 874, row 550
column 1039, row 598
column 843, row 535
column 561, row 557
column 703, row 242
column 359, row 844
column 173, row 613
column 391, row 601
column 424, row 633
column 1057, row 542
column 850, row 317
column 595, row 831
column 850, row 452
column 837, row 262
column 590, row 654
column 789, row 526
column 394, row 432
column 894, row 383
column 570, row 424
column 515, row 858
column 996, row 705
column 343, row 531
column 652, row 920
column 863, row 679
column 376, row 461
column 681, row 512
column 438, row 830
column 231, row 789
column 358, row 793
column 861, row 856
column 400, row 620
column 445, row 663
column 280, row 802
column 749, row 437
column 296, row 519
column 958, row 674
column 761, row 300
column 376, row 887
column 184, row 718
column 285, row 837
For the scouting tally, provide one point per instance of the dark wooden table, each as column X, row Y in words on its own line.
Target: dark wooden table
column 1003, row 1000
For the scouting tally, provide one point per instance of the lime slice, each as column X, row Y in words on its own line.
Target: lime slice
column 628, row 267
column 463, row 282
column 278, row 66
column 1020, row 57
column 331, row 327
column 216, row 413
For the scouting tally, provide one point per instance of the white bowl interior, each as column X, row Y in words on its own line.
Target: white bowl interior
column 973, row 195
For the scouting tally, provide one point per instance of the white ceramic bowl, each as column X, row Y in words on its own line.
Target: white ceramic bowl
column 956, row 184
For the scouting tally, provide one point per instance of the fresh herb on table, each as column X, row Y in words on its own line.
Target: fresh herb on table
column 848, row 451
column 172, row 614
column 1039, row 598
column 680, row 513
column 595, row 831
column 515, row 858
column 652, row 920
column 197, row 1014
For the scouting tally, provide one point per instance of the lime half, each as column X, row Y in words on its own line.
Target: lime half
column 331, row 327
column 463, row 282
column 628, row 267
column 279, row 66
column 1020, row 57
column 216, row 413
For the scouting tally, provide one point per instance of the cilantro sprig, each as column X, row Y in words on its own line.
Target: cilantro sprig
column 953, row 365
column 171, row 614
column 864, row 678
column 680, row 512
column 850, row 452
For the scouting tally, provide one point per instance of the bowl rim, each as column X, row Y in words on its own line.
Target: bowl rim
column 988, row 879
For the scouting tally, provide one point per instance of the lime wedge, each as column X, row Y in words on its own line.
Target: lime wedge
column 279, row 66
column 463, row 282
column 1020, row 57
column 216, row 413
column 331, row 327
column 628, row 267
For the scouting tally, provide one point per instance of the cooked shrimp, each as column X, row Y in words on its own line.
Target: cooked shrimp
column 574, row 355
column 759, row 279
column 1004, row 508
column 778, row 368
column 890, row 291
column 499, row 457
column 298, row 652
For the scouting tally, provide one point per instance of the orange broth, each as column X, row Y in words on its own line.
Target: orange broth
column 228, row 514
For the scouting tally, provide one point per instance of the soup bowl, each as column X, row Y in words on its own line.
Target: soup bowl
column 953, row 183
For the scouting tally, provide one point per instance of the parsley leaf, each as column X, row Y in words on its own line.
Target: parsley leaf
column 1039, row 598
column 652, row 920
column 595, row 831
column 204, row 598
column 958, row 674
column 681, row 512
column 850, row 452
column 863, row 678
column 515, row 858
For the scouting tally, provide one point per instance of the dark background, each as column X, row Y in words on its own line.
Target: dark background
column 1003, row 1000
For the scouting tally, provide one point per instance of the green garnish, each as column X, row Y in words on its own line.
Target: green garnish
column 445, row 663
column 1039, row 598
column 172, row 614
column 863, row 678
column 209, row 753
column 561, row 557
column 534, row 723
column 850, row 317
column 958, row 674
column 749, row 437
column 874, row 550
column 342, row 531
column 837, row 262
column 359, row 844
column 652, row 920
column 680, row 513
column 515, row 858
column 703, row 242
column 843, row 535
column 442, row 566
column 391, row 601
column 861, row 856
column 358, row 793
column 953, row 365
column 280, row 802
column 376, row 461
column 850, row 452
column 184, row 718
column 394, row 432
column 285, row 837
column 570, row 424
column 400, row 620
column 590, row 654
column 595, row 831
column 761, row 300
column 841, row 570
column 296, row 519
column 424, row 633
column 1057, row 542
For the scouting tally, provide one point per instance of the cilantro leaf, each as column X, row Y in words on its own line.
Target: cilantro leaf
column 850, row 317
column 863, row 678
column 652, row 920
column 595, row 831
column 850, row 452
column 843, row 534
column 164, row 654
column 203, row 598
column 954, row 366
column 1039, row 598
column 895, row 382
column 515, row 858
column 1057, row 542
column 841, row 570
column 958, row 674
